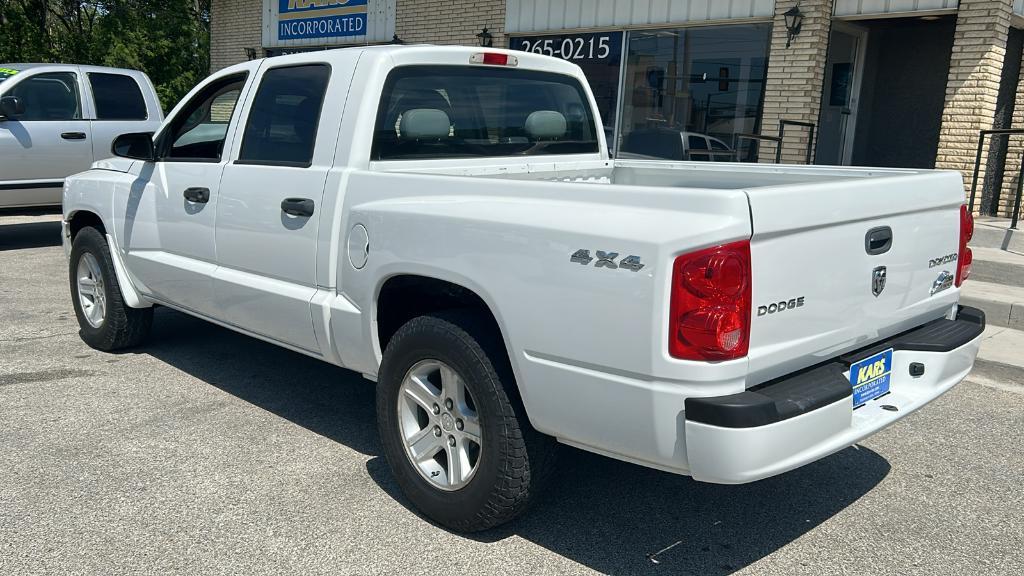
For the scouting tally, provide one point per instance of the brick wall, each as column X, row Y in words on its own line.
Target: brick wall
column 237, row 24
column 796, row 76
column 979, row 46
column 234, row 26
column 450, row 22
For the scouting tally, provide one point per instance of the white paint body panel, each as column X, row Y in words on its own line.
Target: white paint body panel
column 32, row 153
column 588, row 345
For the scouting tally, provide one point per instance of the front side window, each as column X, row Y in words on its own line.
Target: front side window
column 282, row 125
column 49, row 96
column 198, row 131
column 117, row 97
column 463, row 112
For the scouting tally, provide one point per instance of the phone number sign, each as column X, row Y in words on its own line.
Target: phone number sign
column 320, row 18
column 578, row 48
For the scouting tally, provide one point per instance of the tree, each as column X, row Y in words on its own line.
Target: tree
column 169, row 40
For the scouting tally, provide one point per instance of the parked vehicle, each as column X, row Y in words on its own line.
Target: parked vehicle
column 56, row 120
column 446, row 222
column 675, row 145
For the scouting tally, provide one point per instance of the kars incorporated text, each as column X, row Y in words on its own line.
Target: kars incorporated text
column 354, row 25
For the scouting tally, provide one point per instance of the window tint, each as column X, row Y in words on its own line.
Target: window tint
column 716, row 145
column 198, row 131
column 282, row 124
column 469, row 111
column 653, row 142
column 50, row 96
column 117, row 97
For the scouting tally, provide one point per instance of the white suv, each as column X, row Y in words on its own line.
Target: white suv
column 56, row 120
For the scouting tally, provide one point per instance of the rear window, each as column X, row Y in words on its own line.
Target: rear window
column 117, row 97
column 282, row 125
column 459, row 111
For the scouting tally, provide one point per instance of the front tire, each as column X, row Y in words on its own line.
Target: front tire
column 451, row 426
column 105, row 322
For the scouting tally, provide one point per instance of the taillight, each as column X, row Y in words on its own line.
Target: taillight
column 710, row 304
column 965, row 257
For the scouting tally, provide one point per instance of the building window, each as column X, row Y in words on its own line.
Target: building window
column 705, row 81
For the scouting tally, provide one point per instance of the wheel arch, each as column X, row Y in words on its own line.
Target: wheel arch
column 401, row 297
column 84, row 218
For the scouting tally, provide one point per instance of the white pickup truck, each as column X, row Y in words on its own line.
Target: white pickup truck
column 447, row 222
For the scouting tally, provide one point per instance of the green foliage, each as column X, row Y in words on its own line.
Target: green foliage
column 169, row 40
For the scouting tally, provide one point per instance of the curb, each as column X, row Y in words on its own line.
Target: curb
column 1006, row 314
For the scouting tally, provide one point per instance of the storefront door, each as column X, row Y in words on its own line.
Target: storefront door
column 843, row 73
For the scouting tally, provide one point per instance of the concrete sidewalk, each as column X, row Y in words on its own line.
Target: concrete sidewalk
column 994, row 232
column 1001, row 359
column 996, row 285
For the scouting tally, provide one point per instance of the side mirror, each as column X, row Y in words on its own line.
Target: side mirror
column 137, row 146
column 11, row 107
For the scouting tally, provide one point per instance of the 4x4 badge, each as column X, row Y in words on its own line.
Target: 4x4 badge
column 606, row 260
column 878, row 280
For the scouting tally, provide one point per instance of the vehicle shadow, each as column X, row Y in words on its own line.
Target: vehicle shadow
column 610, row 516
column 29, row 235
column 620, row 518
column 330, row 401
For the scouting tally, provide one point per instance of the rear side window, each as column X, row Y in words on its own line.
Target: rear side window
column 282, row 125
column 117, row 97
column 469, row 111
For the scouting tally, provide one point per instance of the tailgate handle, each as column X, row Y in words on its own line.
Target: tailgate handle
column 878, row 240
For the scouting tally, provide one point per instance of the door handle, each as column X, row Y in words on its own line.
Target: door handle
column 73, row 135
column 878, row 240
column 197, row 195
column 297, row 206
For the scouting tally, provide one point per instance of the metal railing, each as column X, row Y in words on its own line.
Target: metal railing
column 982, row 134
column 811, row 126
column 741, row 136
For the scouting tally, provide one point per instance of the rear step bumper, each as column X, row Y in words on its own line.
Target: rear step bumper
column 794, row 420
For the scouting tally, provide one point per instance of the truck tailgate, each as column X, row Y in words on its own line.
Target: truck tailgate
column 817, row 291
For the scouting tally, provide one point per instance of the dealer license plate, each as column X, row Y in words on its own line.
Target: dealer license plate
column 870, row 377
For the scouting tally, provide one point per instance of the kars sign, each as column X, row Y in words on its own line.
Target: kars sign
column 327, row 22
column 320, row 18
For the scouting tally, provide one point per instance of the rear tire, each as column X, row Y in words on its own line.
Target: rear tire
column 510, row 459
column 105, row 322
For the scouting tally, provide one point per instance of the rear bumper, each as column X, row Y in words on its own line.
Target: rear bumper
column 789, row 422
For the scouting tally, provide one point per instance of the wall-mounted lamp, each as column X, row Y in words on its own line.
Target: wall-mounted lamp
column 251, row 53
column 794, row 20
column 486, row 38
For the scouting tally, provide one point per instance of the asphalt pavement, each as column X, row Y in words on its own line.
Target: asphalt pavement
column 207, row 452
